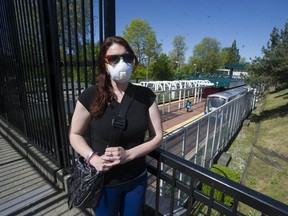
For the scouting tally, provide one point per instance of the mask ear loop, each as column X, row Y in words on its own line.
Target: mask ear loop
column 106, row 67
column 134, row 64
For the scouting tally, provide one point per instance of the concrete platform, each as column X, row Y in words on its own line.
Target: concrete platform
column 172, row 121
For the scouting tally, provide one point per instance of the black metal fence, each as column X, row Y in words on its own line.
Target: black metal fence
column 186, row 178
column 48, row 50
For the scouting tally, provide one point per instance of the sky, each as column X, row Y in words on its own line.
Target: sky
column 249, row 22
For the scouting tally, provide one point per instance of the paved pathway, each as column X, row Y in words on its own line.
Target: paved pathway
column 24, row 191
column 174, row 120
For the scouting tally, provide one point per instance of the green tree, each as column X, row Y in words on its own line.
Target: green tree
column 142, row 39
column 206, row 55
column 177, row 55
column 162, row 69
column 230, row 55
column 234, row 56
column 272, row 68
column 274, row 39
column 225, row 56
column 139, row 73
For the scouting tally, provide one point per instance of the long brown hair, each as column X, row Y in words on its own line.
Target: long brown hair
column 104, row 92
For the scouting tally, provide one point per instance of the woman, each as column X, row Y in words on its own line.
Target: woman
column 124, row 165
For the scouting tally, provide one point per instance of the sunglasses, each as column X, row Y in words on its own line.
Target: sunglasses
column 114, row 59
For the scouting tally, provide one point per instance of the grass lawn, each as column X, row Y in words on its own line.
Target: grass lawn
column 260, row 151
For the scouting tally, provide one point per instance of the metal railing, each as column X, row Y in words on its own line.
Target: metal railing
column 195, row 177
column 47, row 48
column 43, row 61
column 202, row 140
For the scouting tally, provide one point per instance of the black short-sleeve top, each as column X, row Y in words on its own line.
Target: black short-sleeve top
column 137, row 122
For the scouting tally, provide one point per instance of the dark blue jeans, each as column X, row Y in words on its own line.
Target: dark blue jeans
column 127, row 198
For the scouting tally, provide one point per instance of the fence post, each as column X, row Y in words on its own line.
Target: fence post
column 50, row 42
column 109, row 17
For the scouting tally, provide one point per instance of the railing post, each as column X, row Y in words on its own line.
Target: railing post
column 109, row 18
column 50, row 43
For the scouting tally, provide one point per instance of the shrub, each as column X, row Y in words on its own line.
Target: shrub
column 228, row 173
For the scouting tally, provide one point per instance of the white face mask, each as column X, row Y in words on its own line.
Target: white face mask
column 121, row 72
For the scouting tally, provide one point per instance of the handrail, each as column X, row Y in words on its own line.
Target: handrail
column 198, row 176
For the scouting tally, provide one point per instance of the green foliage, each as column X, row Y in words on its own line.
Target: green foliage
column 139, row 73
column 230, row 55
column 234, row 56
column 228, row 173
column 254, row 213
column 142, row 39
column 252, row 180
column 161, row 68
column 224, row 56
column 206, row 55
column 272, row 68
column 177, row 55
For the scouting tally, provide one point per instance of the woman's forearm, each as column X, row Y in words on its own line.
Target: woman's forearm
column 79, row 124
column 144, row 148
column 80, row 145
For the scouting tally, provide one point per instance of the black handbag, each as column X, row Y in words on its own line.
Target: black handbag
column 86, row 183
